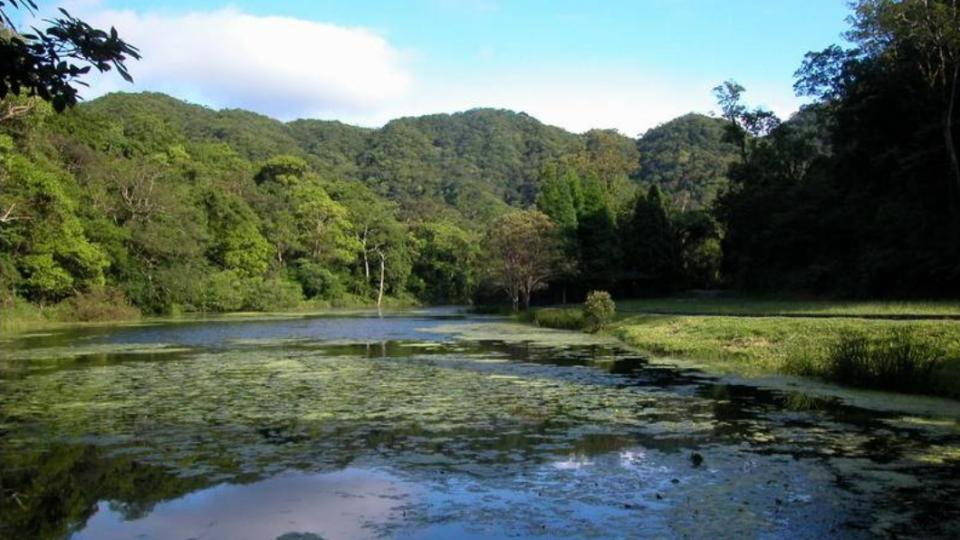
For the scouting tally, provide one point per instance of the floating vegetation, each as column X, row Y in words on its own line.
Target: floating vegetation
column 572, row 433
column 77, row 351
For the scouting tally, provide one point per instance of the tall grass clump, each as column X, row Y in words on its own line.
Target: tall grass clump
column 562, row 319
column 899, row 360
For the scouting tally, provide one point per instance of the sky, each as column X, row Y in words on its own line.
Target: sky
column 623, row 64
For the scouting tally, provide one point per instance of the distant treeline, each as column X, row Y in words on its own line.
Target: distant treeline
column 177, row 207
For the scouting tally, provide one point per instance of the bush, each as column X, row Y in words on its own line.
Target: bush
column 273, row 294
column 222, row 291
column 319, row 282
column 98, row 304
column 598, row 310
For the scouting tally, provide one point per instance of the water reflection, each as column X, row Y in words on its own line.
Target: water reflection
column 352, row 503
column 275, row 427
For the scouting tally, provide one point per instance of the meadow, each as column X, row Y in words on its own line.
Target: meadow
column 900, row 346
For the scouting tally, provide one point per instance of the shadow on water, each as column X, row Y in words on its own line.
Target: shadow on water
column 402, row 432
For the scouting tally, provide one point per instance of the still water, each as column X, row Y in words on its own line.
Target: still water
column 435, row 425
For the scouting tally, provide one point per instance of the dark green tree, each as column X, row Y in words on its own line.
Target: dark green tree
column 598, row 243
column 649, row 245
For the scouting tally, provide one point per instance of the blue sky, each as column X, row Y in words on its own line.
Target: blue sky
column 606, row 64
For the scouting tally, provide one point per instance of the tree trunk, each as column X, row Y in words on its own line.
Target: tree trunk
column 366, row 260
column 383, row 270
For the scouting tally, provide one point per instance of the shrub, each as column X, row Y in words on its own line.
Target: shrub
column 273, row 294
column 98, row 304
column 598, row 310
column 319, row 282
column 222, row 291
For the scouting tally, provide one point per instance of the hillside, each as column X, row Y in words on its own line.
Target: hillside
column 182, row 207
column 688, row 158
column 482, row 157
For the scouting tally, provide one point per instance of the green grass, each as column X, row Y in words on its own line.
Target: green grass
column 18, row 315
column 560, row 318
column 737, row 305
column 809, row 346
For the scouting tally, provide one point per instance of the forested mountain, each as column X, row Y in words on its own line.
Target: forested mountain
column 688, row 157
column 480, row 156
column 175, row 206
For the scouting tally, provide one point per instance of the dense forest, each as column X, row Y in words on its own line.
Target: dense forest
column 146, row 201
column 174, row 206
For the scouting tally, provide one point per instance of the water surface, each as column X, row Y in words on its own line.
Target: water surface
column 434, row 425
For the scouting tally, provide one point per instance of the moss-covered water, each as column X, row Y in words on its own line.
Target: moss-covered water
column 429, row 425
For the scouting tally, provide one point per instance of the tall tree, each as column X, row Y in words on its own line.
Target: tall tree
column 926, row 34
column 649, row 244
column 556, row 197
column 525, row 251
column 598, row 244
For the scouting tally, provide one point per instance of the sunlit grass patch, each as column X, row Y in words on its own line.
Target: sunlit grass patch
column 559, row 318
column 738, row 305
column 909, row 356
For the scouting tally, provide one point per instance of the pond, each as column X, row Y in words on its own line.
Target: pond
column 432, row 424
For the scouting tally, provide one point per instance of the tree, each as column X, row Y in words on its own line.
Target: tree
column 377, row 233
column 52, row 254
column 697, row 235
column 649, row 243
column 49, row 63
column 524, row 250
column 598, row 245
column 744, row 123
column 556, row 198
column 446, row 263
column 925, row 34
column 238, row 244
column 323, row 224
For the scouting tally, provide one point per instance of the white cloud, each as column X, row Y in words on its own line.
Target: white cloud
column 577, row 100
column 280, row 66
column 293, row 68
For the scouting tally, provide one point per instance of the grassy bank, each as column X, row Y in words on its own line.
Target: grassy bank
column 747, row 306
column 917, row 356
column 19, row 316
